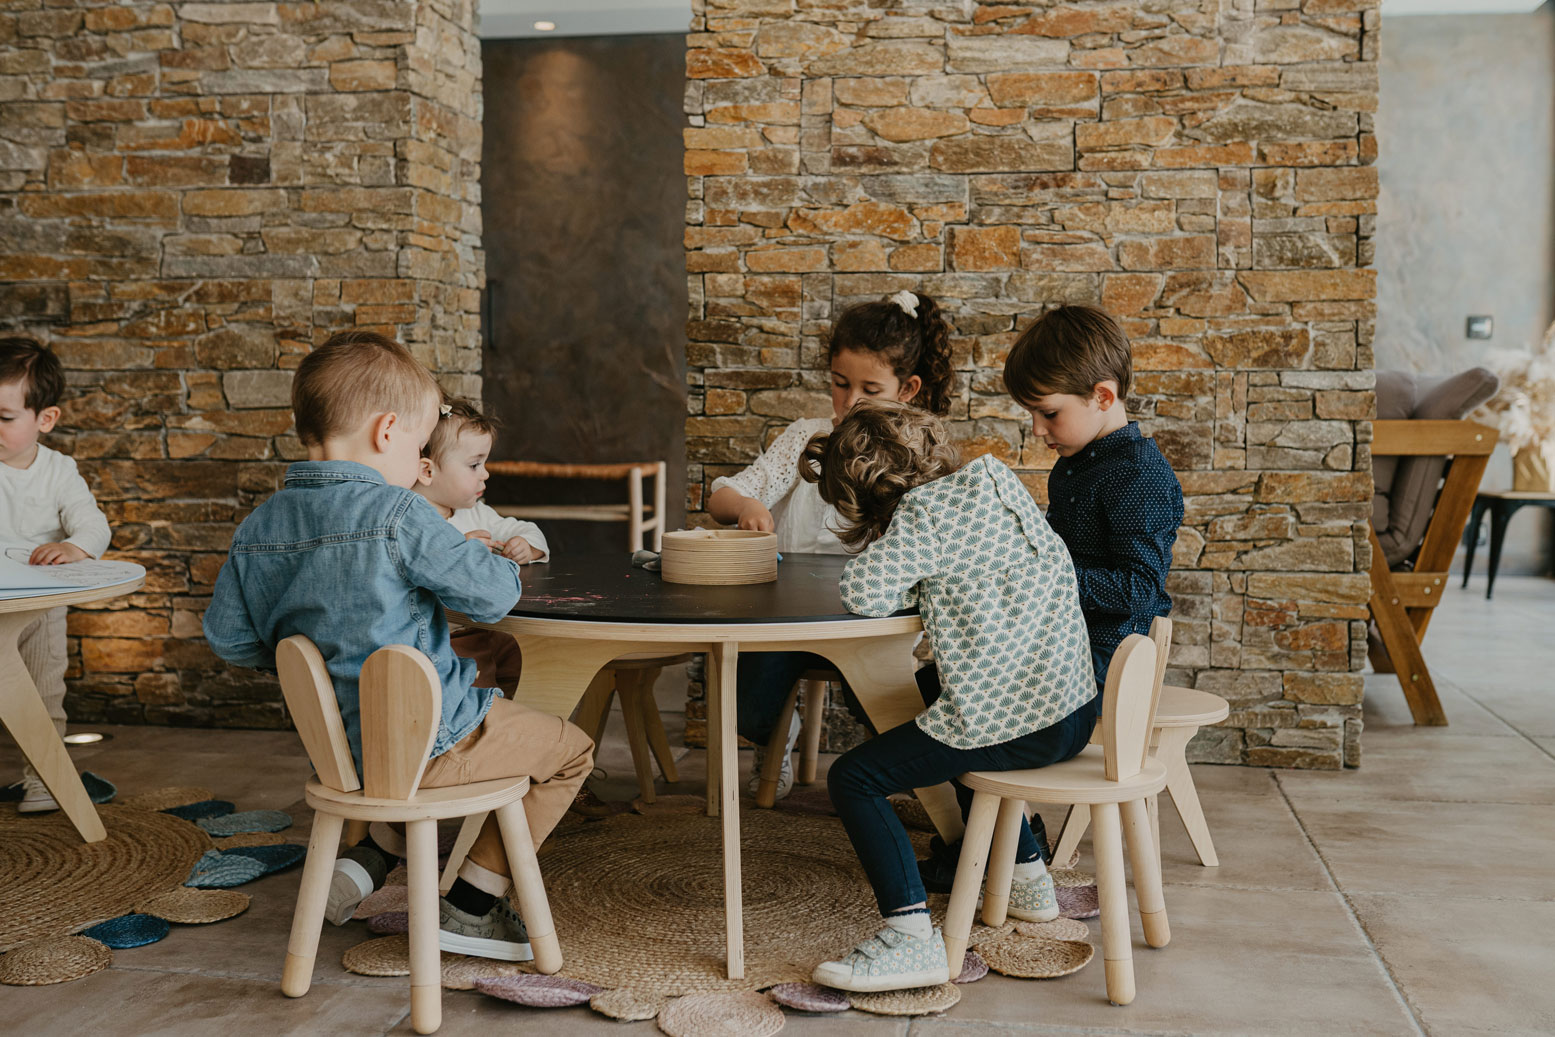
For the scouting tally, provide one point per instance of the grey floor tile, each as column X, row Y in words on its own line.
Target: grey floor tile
column 1434, row 764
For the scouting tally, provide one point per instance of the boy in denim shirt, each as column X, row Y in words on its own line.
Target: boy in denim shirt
column 1112, row 497
column 348, row 556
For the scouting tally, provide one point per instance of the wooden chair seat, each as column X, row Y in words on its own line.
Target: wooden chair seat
column 1189, row 707
column 1113, row 780
column 427, row 805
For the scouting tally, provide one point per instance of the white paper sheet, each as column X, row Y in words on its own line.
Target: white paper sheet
column 20, row 580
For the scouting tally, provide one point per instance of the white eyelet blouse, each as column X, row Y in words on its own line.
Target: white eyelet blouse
column 803, row 522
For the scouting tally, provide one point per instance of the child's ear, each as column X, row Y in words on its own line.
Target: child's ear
column 1105, row 394
column 425, row 472
column 383, row 428
column 909, row 390
column 46, row 419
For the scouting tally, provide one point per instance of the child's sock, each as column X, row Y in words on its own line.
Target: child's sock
column 470, row 899
column 1030, row 871
column 911, row 921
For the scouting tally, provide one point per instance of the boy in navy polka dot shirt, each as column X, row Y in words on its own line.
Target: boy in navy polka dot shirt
column 1112, row 497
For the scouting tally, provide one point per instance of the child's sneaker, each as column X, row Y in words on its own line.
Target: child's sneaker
column 36, row 798
column 889, row 960
column 499, row 933
column 347, row 888
column 1033, row 899
column 785, row 783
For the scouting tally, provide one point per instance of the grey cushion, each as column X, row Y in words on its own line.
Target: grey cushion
column 1404, row 488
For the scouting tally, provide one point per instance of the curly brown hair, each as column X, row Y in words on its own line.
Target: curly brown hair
column 911, row 345
column 878, row 452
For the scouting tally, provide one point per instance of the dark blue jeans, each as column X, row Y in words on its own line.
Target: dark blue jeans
column 763, row 681
column 905, row 758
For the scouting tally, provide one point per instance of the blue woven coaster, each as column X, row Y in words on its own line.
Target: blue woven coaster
column 217, row 870
column 203, row 809
column 129, row 931
column 246, row 821
column 275, row 857
column 100, row 790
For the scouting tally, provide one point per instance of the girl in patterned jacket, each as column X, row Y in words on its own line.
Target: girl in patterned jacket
column 996, row 589
column 894, row 349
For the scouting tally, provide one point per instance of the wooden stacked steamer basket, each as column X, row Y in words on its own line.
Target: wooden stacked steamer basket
column 719, row 556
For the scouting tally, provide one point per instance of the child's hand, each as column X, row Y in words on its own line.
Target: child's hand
column 483, row 536
column 56, row 554
column 754, row 515
column 518, row 549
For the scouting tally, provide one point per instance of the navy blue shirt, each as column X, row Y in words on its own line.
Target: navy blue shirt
column 1117, row 505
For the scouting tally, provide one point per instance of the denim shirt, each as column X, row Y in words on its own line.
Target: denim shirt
column 1117, row 505
column 354, row 564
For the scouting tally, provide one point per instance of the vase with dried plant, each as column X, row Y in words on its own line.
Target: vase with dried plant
column 1524, row 411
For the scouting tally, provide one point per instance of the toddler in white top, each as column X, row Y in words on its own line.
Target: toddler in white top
column 452, row 479
column 47, row 516
column 897, row 348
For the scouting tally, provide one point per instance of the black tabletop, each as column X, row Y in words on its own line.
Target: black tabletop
column 606, row 587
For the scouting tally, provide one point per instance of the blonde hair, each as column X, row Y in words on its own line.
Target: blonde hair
column 353, row 376
column 878, row 452
column 459, row 416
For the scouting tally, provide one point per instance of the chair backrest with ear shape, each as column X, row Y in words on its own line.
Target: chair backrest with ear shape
column 1161, row 637
column 310, row 696
column 1128, row 707
column 402, row 702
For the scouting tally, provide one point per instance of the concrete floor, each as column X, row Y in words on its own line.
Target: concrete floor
column 1414, row 895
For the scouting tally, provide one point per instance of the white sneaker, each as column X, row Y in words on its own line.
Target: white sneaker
column 785, row 783
column 348, row 887
column 889, row 960
column 36, row 798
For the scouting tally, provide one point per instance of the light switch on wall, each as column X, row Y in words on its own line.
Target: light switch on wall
column 1480, row 326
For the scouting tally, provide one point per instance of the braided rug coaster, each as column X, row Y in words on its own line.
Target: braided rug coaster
column 206, row 808
column 128, row 931
column 1071, row 877
column 973, row 968
column 246, row 821
column 628, row 1006
column 53, row 959
column 390, row 956
column 389, row 923
column 172, row 796
column 1077, row 901
column 809, row 997
column 51, row 883
column 232, row 842
column 1058, row 929
column 196, row 906
column 735, row 1013
column 1035, row 958
column 538, row 991
column 385, row 900
column 917, row 1001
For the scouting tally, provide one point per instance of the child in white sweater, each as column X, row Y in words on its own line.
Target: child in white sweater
column 453, row 478
column 47, row 516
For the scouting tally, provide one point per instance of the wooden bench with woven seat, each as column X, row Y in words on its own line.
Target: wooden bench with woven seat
column 639, row 520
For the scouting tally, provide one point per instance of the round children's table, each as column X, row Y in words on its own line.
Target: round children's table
column 23, row 713
column 578, row 614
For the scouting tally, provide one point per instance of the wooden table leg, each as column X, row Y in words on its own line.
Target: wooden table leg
column 721, row 690
column 24, row 716
column 880, row 672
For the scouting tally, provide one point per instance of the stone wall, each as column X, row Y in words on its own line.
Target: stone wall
column 192, row 196
column 1202, row 168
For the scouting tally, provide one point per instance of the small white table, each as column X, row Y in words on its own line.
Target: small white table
column 22, row 711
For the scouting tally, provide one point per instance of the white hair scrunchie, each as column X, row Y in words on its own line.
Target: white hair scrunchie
column 907, row 301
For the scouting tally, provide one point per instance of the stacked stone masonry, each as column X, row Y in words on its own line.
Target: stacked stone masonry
column 192, row 196
column 1201, row 168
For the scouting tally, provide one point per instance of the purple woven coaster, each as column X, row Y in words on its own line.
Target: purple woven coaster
column 539, row 991
column 1077, row 901
column 973, row 968
column 809, row 997
column 390, row 922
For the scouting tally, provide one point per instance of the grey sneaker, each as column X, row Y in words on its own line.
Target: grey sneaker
column 889, row 960
column 499, row 933
column 36, row 798
column 348, row 887
column 785, row 783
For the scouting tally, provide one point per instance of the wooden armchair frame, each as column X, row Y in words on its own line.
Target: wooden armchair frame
column 1402, row 602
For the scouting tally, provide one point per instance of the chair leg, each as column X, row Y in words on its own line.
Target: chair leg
column 312, row 897
column 969, row 877
column 1185, row 795
column 466, row 838
column 810, row 736
column 356, row 831
column 1001, row 861
column 653, row 724
column 529, row 887
column 426, row 969
column 1112, row 891
column 594, row 710
column 1146, row 859
column 1067, row 853
column 630, row 688
column 772, row 768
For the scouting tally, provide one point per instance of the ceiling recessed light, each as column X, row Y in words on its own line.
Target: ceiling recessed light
column 545, row 26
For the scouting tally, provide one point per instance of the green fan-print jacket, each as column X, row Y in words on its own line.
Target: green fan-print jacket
column 997, row 593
